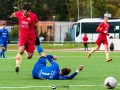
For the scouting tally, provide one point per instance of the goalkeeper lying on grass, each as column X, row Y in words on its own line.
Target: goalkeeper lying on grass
column 52, row 72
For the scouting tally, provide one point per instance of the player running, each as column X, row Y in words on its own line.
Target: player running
column 102, row 38
column 28, row 33
column 4, row 40
column 52, row 72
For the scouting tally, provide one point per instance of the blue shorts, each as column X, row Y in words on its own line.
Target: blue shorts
column 3, row 43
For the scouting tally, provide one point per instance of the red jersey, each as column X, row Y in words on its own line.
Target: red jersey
column 26, row 24
column 102, row 38
column 101, row 28
column 85, row 39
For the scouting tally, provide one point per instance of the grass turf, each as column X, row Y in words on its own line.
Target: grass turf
column 96, row 69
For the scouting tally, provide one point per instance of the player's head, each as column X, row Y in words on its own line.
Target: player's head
column 105, row 18
column 85, row 34
column 4, row 25
column 26, row 9
column 65, row 71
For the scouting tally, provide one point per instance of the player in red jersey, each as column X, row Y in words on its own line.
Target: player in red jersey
column 102, row 38
column 85, row 41
column 28, row 33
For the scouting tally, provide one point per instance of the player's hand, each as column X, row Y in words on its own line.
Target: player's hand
column 55, row 57
column 80, row 68
column 8, row 41
column 37, row 41
column 105, row 31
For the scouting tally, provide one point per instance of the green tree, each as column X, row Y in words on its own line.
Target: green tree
column 118, row 13
column 112, row 9
column 6, row 8
column 61, row 9
column 14, row 31
column 99, row 7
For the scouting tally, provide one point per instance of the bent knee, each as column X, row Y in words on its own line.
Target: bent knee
column 29, row 57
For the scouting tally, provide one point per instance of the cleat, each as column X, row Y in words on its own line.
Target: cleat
column 109, row 59
column 88, row 55
column 17, row 69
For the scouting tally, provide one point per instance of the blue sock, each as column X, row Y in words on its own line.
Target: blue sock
column 39, row 49
column 3, row 54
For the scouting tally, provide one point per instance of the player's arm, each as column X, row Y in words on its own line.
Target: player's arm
column 100, row 28
column 74, row 74
column 50, row 58
column 13, row 15
column 37, row 42
column 37, row 30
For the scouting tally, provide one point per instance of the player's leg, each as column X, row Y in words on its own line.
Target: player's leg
column 4, row 48
column 31, row 47
column 87, row 46
column 19, row 57
column 3, row 52
column 21, row 48
column 40, row 63
column 93, row 50
column 107, row 53
column 98, row 43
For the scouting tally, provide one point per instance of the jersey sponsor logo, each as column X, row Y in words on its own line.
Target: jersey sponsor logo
column 24, row 24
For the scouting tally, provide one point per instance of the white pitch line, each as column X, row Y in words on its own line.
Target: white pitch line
column 62, row 86
column 8, row 58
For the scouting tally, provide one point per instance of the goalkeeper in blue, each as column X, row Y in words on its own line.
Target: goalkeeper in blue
column 4, row 40
column 52, row 72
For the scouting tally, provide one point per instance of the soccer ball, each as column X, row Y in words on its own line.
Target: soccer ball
column 110, row 82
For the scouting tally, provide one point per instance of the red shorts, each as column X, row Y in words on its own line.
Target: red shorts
column 101, row 40
column 29, row 44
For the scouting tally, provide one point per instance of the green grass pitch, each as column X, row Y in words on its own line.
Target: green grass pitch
column 96, row 69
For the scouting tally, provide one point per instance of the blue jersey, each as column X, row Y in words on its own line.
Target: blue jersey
column 41, row 71
column 4, row 36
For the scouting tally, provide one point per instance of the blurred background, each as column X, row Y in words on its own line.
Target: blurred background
column 57, row 18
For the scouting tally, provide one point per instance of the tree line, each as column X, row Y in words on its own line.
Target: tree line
column 62, row 10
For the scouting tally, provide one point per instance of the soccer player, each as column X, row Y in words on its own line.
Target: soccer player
column 4, row 40
column 85, row 41
column 52, row 72
column 28, row 33
column 102, row 29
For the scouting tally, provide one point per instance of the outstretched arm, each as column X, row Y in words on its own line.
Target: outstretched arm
column 13, row 15
column 73, row 75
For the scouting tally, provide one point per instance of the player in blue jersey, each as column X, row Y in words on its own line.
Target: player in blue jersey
column 4, row 39
column 52, row 72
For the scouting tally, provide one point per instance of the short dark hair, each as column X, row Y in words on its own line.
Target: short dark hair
column 26, row 6
column 65, row 71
